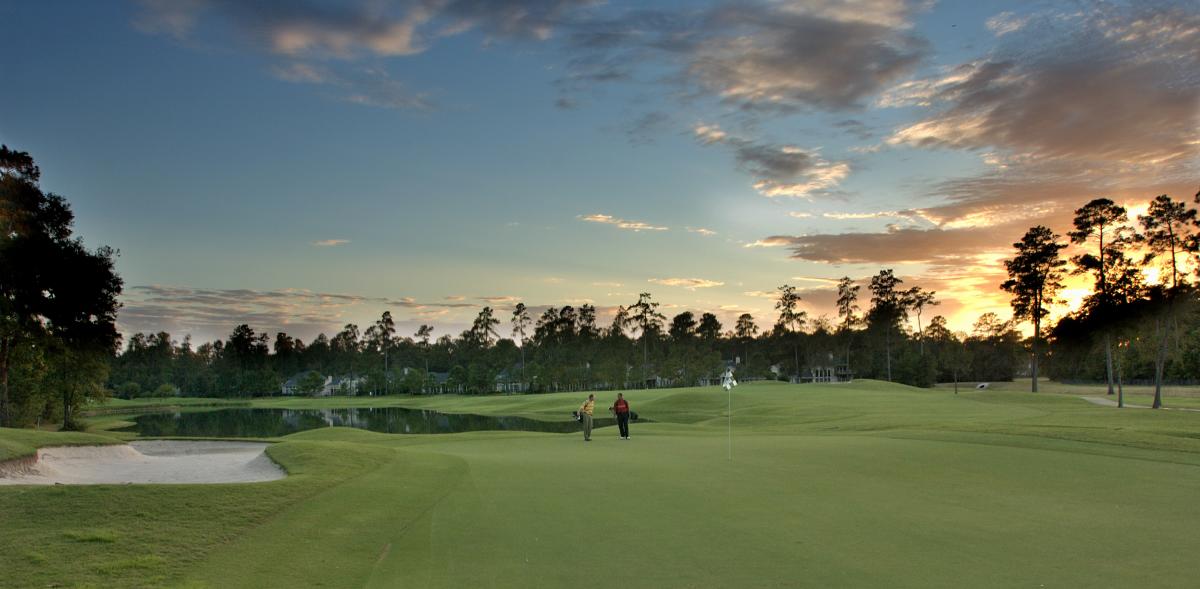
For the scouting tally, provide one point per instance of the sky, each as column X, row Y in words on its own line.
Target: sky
column 302, row 164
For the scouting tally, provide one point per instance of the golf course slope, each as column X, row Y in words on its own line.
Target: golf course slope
column 861, row 485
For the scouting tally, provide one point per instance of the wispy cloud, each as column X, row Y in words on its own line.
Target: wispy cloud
column 500, row 300
column 816, row 279
column 622, row 223
column 330, row 242
column 354, row 29
column 778, row 170
column 369, row 86
column 303, row 34
column 762, row 294
column 759, row 56
column 773, row 241
column 688, row 283
column 212, row 313
column 1103, row 91
column 1005, row 23
column 702, row 231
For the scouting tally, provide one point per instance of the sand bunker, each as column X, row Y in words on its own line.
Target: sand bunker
column 151, row 461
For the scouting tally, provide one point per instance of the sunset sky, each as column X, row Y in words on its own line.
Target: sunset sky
column 301, row 164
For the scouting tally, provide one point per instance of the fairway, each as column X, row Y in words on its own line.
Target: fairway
column 868, row 484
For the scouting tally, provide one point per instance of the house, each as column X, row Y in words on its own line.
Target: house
column 293, row 385
column 343, row 385
column 835, row 373
column 508, row 382
column 330, row 385
column 439, row 384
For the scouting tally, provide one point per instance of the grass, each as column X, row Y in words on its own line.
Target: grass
column 19, row 443
column 867, row 484
column 1173, row 395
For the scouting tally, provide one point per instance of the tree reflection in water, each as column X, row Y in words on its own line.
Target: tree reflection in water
column 265, row 423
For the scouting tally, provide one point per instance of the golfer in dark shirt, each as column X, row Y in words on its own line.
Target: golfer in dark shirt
column 621, row 409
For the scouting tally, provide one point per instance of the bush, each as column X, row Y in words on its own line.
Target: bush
column 129, row 390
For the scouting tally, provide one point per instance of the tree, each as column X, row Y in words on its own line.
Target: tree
column 587, row 322
column 847, row 302
column 520, row 326
column 683, row 327
column 917, row 299
column 710, row 328
column 53, row 291
column 311, row 383
column 791, row 319
column 423, row 334
column 1035, row 275
column 381, row 336
column 644, row 316
column 1166, row 231
column 847, row 305
column 484, row 328
column 887, row 307
column 1034, row 278
column 1103, row 220
column 744, row 331
column 745, row 328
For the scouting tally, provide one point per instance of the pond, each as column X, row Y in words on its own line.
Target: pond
column 265, row 423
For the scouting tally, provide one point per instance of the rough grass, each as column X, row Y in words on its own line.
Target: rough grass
column 18, row 443
column 867, row 484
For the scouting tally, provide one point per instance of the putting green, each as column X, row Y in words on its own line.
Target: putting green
column 861, row 485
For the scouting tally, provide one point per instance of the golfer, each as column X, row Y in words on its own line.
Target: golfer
column 621, row 409
column 585, row 411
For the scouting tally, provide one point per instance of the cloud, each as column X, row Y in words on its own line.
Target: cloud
column 348, row 30
column 358, row 85
column 336, row 33
column 643, row 130
column 708, row 134
column 778, row 170
column 816, row 279
column 212, row 313
column 855, row 128
column 500, row 300
column 688, row 283
column 1005, row 23
column 764, row 56
column 799, row 215
column 1115, row 89
column 907, row 217
column 762, row 294
column 622, row 223
column 980, row 214
column 774, row 241
column 702, row 231
column 892, row 247
column 330, row 242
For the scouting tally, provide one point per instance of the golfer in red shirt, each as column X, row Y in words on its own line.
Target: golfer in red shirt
column 621, row 408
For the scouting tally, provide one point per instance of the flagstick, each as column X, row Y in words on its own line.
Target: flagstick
column 729, row 420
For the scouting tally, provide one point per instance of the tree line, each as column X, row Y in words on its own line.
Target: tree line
column 1126, row 330
column 59, row 346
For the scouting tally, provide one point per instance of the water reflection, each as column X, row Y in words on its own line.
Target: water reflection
column 281, row 422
